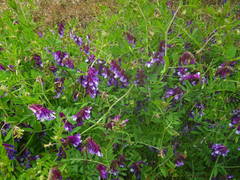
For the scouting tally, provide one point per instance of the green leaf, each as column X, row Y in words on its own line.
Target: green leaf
column 230, row 51
column 164, row 172
column 9, row 135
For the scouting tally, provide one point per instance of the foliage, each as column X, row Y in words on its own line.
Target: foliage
column 144, row 93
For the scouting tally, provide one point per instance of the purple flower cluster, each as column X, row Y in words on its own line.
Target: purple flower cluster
column 78, row 40
column 102, row 171
column 61, row 30
column 61, row 153
column 26, row 157
column 62, row 59
column 136, row 169
column 82, row 115
column 5, row 127
column 159, row 55
column 10, row 149
column 116, row 122
column 176, row 93
column 55, row 174
column 53, row 69
column 225, row 69
column 2, row 68
column 75, row 140
column 42, row 113
column 140, row 77
column 235, row 120
column 118, row 73
column 67, row 125
column 90, row 59
column 192, row 77
column 59, row 86
column 130, row 38
column 187, row 58
column 198, row 110
column 11, row 68
column 38, row 60
column 85, row 48
column 180, row 160
column 115, row 164
column 184, row 73
column 40, row 34
column 93, row 147
column 219, row 150
column 90, row 82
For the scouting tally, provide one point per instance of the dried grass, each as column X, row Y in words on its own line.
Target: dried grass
column 55, row 11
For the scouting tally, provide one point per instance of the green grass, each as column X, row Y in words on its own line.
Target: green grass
column 159, row 131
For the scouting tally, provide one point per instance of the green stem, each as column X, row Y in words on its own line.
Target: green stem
column 169, row 26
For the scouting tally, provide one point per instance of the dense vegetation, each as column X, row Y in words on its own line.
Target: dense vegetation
column 149, row 90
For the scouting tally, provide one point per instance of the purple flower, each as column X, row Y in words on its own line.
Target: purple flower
column 90, row 59
column 59, row 86
column 235, row 120
column 67, row 125
column 219, row 150
column 61, row 153
column 82, row 115
column 181, row 71
column 176, row 93
column 55, row 174
column 11, row 68
column 119, row 73
column 93, row 148
column 230, row 176
column 104, row 71
column 59, row 56
column 187, row 58
column 10, row 149
column 5, row 128
column 90, row 82
column 102, row 171
column 116, row 122
column 38, row 60
column 192, row 77
column 113, row 168
column 2, row 67
column 26, row 157
column 131, row 39
column 53, row 69
column 68, row 63
column 62, row 59
column 199, row 110
column 76, row 39
column 225, row 69
column 158, row 56
column 136, row 169
column 40, row 34
column 75, row 95
column 42, row 113
column 180, row 159
column 61, row 29
column 85, row 48
column 140, row 77
column 75, row 140
column 179, row 163
column 115, row 164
